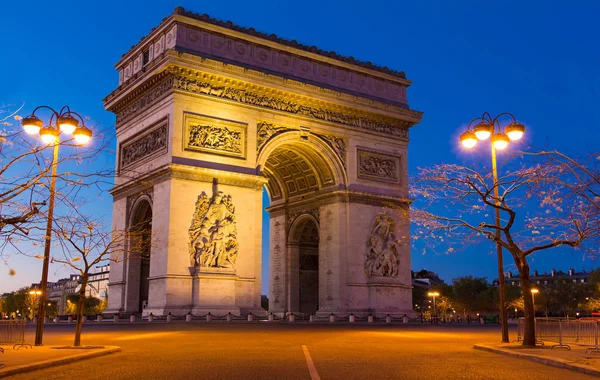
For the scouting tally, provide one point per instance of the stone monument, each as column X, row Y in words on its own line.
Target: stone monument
column 208, row 115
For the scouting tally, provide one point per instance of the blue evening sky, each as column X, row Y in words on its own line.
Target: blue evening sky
column 537, row 59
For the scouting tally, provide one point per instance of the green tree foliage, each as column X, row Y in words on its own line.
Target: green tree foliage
column 91, row 305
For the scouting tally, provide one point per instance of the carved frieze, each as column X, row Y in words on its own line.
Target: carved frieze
column 338, row 145
column 266, row 131
column 382, row 258
column 213, row 233
column 150, row 144
column 212, row 135
column 145, row 96
column 170, row 80
column 255, row 98
column 377, row 166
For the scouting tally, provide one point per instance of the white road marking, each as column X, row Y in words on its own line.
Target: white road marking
column 314, row 375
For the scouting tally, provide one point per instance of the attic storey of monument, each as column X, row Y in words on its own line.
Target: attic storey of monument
column 207, row 115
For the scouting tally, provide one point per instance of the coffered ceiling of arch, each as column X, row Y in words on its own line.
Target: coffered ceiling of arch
column 295, row 170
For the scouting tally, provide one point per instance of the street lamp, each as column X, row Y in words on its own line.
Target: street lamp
column 534, row 291
column 433, row 294
column 67, row 122
column 489, row 128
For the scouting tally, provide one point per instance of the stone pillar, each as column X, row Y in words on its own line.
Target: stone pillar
column 332, row 256
column 277, row 257
column 117, row 275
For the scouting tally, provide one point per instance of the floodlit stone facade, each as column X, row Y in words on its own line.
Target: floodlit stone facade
column 208, row 114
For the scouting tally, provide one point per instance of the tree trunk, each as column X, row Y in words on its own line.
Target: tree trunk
column 79, row 325
column 529, row 332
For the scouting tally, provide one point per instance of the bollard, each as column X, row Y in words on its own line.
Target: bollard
column 352, row 318
column 250, row 317
column 188, row 317
column 169, row 317
column 100, row 318
column 388, row 319
column 150, row 317
column 69, row 319
column 311, row 318
column 115, row 318
column 84, row 318
column 208, row 317
column 405, row 319
column 56, row 319
column 370, row 319
column 332, row 318
column 291, row 317
column 270, row 317
column 132, row 318
column 229, row 317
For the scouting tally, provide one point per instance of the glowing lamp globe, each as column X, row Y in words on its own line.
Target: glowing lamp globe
column 515, row 130
column 483, row 131
column 32, row 125
column 49, row 135
column 67, row 124
column 468, row 139
column 500, row 141
column 82, row 135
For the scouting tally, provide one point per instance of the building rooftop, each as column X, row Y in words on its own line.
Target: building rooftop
column 274, row 38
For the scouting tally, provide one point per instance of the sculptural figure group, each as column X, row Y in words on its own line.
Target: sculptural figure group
column 213, row 233
column 381, row 256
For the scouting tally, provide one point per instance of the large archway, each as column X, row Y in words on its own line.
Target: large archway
column 302, row 171
column 303, row 245
column 140, row 248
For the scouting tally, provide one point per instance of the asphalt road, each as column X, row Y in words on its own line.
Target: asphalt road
column 263, row 350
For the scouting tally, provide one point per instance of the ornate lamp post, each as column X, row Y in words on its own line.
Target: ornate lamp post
column 485, row 128
column 66, row 122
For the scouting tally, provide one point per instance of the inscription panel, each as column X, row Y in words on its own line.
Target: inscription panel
column 212, row 135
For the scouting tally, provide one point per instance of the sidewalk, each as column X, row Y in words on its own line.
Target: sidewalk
column 25, row 360
column 575, row 359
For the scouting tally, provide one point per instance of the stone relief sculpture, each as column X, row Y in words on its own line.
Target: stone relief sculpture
column 372, row 165
column 213, row 135
column 266, row 131
column 215, row 138
column 213, row 232
column 337, row 144
column 381, row 256
column 144, row 146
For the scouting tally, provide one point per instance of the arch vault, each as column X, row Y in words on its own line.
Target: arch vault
column 208, row 114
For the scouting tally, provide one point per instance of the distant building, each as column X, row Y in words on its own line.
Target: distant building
column 425, row 279
column 549, row 278
column 60, row 290
column 98, row 282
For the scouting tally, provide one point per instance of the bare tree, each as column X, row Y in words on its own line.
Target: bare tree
column 86, row 242
column 547, row 200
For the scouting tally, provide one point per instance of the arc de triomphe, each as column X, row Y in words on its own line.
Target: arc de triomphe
column 209, row 113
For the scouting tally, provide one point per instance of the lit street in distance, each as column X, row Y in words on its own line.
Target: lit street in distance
column 274, row 351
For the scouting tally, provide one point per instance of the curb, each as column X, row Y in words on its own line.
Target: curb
column 552, row 362
column 59, row 361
